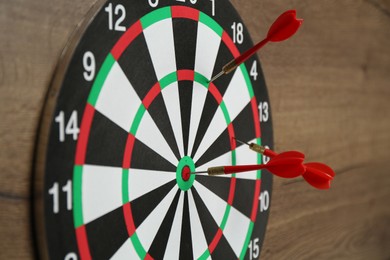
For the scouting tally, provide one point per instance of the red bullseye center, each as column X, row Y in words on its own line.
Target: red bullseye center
column 186, row 173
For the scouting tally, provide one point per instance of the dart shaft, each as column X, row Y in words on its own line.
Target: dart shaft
column 259, row 149
column 213, row 171
column 217, row 76
column 249, row 53
column 233, row 64
column 269, row 153
column 288, row 167
column 220, row 170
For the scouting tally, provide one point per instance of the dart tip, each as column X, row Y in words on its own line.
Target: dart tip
column 242, row 142
column 216, row 76
column 194, row 173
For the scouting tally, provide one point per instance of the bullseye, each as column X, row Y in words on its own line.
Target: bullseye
column 184, row 178
column 186, row 173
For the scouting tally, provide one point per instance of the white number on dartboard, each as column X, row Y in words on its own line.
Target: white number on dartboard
column 264, row 201
column 213, row 7
column 264, row 111
column 120, row 13
column 254, row 248
column 191, row 1
column 54, row 191
column 254, row 72
column 238, row 32
column 153, row 3
column 70, row 256
column 71, row 128
column 89, row 65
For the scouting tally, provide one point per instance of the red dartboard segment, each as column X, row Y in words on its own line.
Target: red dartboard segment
column 129, row 219
column 185, row 75
column 132, row 33
column 215, row 92
column 215, row 241
column 148, row 257
column 82, row 242
column 256, row 196
column 128, row 151
column 152, row 94
column 233, row 143
column 232, row 191
column 256, row 117
column 85, row 129
column 227, row 40
column 81, row 150
column 185, row 12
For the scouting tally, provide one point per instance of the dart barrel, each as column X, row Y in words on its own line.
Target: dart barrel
column 329, row 93
column 214, row 171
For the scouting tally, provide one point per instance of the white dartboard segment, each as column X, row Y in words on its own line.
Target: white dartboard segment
column 173, row 246
column 150, row 180
column 126, row 251
column 199, row 95
column 207, row 46
column 102, row 191
column 149, row 227
column 172, row 104
column 213, row 202
column 236, row 230
column 149, row 133
column 118, row 100
column 160, row 42
column 199, row 243
column 245, row 156
column 215, row 129
column 236, row 97
column 224, row 159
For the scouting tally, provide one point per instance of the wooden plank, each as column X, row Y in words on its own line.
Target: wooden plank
column 329, row 90
column 15, row 229
column 351, row 221
column 33, row 34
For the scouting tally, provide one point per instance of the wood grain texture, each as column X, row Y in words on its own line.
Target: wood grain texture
column 330, row 95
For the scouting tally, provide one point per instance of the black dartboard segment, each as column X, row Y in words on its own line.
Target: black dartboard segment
column 134, row 110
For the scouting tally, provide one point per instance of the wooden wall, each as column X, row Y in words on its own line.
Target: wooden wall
column 330, row 94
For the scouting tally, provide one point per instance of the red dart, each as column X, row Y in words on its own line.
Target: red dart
column 285, row 26
column 287, row 165
column 283, row 169
column 318, row 175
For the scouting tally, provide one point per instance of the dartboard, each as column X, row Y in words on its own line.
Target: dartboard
column 130, row 114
